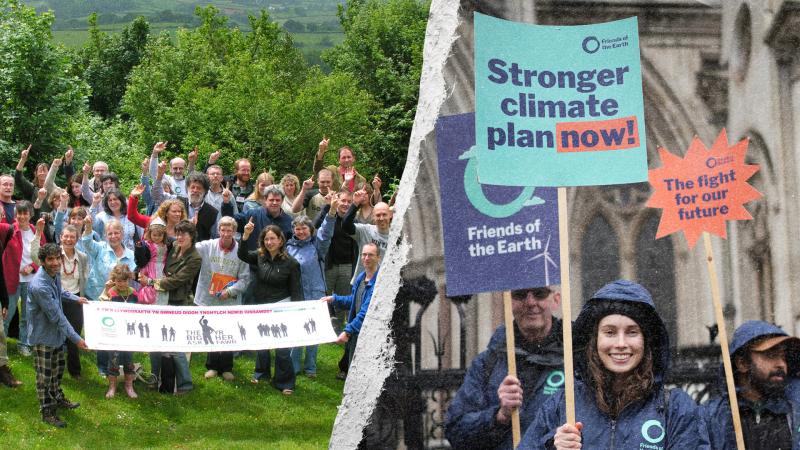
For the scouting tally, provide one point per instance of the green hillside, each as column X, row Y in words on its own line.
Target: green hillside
column 313, row 24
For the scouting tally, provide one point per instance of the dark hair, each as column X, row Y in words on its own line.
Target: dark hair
column 262, row 249
column 372, row 244
column 123, row 209
column 110, row 176
column 36, row 178
column 273, row 190
column 75, row 178
column 49, row 249
column 198, row 177
column 23, row 206
column 186, row 226
column 612, row 397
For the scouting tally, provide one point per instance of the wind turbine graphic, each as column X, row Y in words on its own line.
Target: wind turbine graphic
column 545, row 255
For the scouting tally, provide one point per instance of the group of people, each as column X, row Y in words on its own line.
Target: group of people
column 165, row 242
column 621, row 355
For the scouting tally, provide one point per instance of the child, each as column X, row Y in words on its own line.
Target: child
column 151, row 255
column 117, row 289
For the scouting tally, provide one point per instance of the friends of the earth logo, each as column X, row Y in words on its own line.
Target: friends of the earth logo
column 653, row 433
column 554, row 382
column 591, row 44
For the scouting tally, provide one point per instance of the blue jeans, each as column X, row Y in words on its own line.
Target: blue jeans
column 311, row 359
column 102, row 362
column 117, row 358
column 284, row 377
column 183, row 377
column 21, row 294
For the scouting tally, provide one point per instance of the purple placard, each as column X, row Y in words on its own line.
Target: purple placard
column 496, row 238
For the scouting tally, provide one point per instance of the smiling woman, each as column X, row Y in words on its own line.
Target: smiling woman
column 620, row 399
column 620, row 343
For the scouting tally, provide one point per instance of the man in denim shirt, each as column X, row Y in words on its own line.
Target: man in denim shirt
column 48, row 328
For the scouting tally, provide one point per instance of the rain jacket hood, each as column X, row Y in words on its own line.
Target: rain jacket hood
column 666, row 419
column 629, row 299
column 751, row 331
column 717, row 412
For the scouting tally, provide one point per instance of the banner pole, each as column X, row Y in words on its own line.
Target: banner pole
column 566, row 307
column 723, row 341
column 516, row 434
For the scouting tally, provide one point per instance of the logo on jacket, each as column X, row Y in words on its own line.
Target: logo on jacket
column 553, row 382
column 652, row 432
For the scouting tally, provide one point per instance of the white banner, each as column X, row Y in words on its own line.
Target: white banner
column 152, row 328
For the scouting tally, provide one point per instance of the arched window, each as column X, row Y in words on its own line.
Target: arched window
column 655, row 270
column 599, row 255
column 756, row 272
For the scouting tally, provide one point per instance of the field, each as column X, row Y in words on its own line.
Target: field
column 314, row 25
column 216, row 414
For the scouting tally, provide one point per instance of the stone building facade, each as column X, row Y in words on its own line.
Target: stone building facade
column 705, row 65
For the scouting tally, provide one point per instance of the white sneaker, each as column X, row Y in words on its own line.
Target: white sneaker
column 211, row 374
column 227, row 376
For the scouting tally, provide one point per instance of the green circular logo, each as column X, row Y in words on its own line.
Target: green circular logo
column 107, row 321
column 555, row 379
column 646, row 431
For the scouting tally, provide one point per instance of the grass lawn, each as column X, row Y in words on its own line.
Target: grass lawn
column 216, row 414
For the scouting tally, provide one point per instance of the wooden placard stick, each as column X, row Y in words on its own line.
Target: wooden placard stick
column 723, row 342
column 516, row 434
column 566, row 308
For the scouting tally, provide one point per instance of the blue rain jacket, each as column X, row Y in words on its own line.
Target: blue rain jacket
column 717, row 412
column 470, row 422
column 666, row 419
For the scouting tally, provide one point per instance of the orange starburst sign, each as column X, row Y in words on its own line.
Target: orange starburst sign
column 702, row 190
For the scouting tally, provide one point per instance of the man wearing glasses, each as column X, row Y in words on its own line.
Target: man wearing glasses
column 480, row 414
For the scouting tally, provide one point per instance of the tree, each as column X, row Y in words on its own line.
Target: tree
column 250, row 94
column 294, row 26
column 382, row 49
column 37, row 93
column 105, row 62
